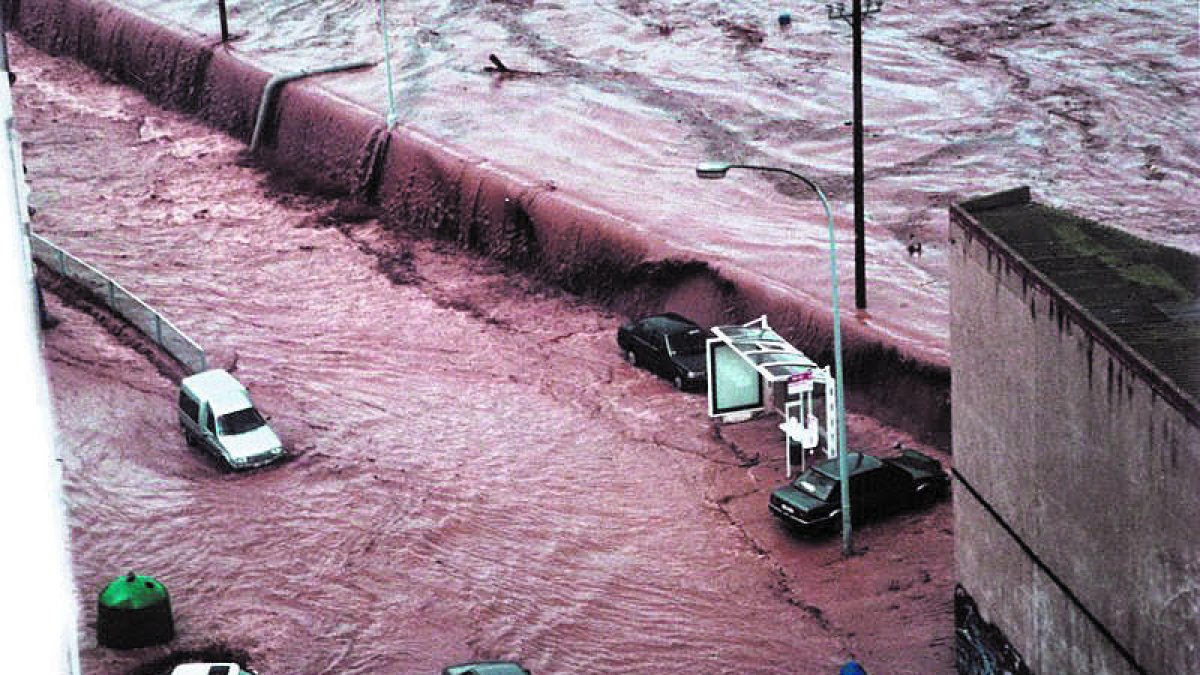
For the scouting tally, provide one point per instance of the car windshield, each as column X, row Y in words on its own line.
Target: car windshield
column 241, row 421
column 691, row 342
column 816, row 484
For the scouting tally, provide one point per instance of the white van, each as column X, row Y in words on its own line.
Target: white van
column 215, row 411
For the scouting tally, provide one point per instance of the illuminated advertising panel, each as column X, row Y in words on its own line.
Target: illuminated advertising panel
column 733, row 384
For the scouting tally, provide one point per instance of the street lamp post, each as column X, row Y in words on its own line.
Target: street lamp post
column 717, row 170
column 387, row 66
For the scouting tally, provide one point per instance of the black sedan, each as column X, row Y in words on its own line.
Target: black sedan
column 878, row 486
column 668, row 345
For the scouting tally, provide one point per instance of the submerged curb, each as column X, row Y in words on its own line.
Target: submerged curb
column 429, row 186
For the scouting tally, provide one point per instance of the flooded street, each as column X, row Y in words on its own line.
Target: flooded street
column 1093, row 105
column 476, row 473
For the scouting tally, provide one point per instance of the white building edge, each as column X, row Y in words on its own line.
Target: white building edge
column 38, row 567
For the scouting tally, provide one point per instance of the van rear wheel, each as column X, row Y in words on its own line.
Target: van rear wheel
column 190, row 438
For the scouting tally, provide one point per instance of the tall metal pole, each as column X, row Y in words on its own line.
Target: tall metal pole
column 387, row 66
column 224, row 21
column 714, row 170
column 854, row 18
column 860, row 246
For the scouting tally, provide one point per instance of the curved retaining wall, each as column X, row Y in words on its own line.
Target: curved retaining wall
column 422, row 184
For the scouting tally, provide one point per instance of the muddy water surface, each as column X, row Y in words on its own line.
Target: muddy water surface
column 1092, row 104
column 476, row 473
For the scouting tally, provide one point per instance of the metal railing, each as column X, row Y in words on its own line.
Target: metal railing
column 123, row 303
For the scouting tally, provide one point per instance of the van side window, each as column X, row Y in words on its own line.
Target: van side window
column 209, row 423
column 189, row 406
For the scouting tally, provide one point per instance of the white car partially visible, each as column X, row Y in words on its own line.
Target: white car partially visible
column 210, row 669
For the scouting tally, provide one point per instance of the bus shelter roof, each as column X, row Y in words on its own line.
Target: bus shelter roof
column 772, row 356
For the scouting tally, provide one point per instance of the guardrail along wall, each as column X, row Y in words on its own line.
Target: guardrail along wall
column 133, row 309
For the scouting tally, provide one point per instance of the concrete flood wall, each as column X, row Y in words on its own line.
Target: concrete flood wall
column 423, row 184
column 980, row 648
column 1075, row 504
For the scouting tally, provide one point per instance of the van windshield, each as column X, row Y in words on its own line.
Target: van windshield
column 240, row 422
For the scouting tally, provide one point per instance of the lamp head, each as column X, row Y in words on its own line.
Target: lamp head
column 712, row 170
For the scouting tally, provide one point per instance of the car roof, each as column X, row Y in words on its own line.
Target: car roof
column 487, row 668
column 222, row 391
column 207, row 669
column 229, row 401
column 668, row 322
column 212, row 383
column 857, row 462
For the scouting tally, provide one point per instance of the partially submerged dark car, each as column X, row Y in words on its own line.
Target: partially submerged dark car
column 878, row 486
column 667, row 345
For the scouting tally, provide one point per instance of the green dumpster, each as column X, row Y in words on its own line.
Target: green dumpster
column 134, row 611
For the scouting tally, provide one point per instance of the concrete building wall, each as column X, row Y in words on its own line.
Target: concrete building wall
column 1068, row 442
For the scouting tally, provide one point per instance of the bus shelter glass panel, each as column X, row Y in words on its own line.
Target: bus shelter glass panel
column 733, row 383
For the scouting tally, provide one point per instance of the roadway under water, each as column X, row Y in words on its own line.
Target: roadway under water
column 477, row 474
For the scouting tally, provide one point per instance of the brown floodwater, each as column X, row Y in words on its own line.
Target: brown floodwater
column 475, row 472
column 1092, row 104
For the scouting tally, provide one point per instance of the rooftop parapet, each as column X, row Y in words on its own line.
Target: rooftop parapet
column 1138, row 298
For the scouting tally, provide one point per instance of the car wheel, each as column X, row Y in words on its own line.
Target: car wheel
column 191, row 439
column 631, row 358
column 678, row 383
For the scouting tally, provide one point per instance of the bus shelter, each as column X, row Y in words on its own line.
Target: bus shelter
column 751, row 368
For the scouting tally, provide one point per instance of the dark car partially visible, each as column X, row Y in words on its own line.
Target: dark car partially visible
column 486, row 668
column 879, row 486
column 668, row 345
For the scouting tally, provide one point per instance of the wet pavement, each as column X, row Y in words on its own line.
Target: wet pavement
column 475, row 472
